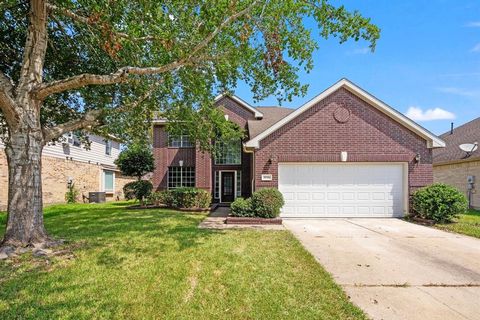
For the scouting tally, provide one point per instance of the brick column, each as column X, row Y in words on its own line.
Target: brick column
column 203, row 170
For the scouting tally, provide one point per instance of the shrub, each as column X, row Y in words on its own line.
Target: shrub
column 72, row 193
column 137, row 160
column 161, row 197
column 129, row 190
column 267, row 202
column 139, row 189
column 439, row 202
column 242, row 208
column 190, row 198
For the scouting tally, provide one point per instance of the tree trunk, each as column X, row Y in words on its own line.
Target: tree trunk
column 25, row 206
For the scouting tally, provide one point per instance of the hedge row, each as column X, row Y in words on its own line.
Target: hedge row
column 182, row 198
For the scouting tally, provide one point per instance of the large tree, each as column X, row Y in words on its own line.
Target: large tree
column 109, row 65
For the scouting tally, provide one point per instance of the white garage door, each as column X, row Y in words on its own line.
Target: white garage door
column 341, row 190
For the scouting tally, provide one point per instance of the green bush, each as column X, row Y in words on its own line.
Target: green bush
column 129, row 190
column 72, row 194
column 267, row 202
column 190, row 198
column 137, row 189
column 242, row 208
column 439, row 202
column 161, row 197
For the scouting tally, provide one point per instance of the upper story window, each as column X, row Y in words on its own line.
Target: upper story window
column 229, row 152
column 180, row 141
column 108, row 147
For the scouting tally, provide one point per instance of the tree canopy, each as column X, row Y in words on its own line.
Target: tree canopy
column 111, row 66
column 136, row 161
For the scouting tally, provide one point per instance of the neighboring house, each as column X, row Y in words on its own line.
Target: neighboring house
column 453, row 166
column 90, row 170
column 343, row 154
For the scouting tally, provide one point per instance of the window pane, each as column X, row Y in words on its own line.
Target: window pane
column 181, row 141
column 108, row 147
column 108, row 181
column 239, row 183
column 216, row 192
column 181, row 177
column 229, row 152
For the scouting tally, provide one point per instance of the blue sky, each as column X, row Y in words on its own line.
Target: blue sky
column 428, row 58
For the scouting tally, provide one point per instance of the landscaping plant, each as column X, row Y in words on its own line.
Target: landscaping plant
column 242, row 208
column 439, row 202
column 72, row 193
column 140, row 190
column 267, row 202
column 190, row 198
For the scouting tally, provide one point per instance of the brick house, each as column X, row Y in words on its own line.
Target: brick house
column 91, row 170
column 453, row 166
column 343, row 154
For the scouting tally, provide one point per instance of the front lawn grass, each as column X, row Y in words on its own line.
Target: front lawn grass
column 468, row 224
column 156, row 264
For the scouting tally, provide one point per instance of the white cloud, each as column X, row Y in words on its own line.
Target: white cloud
column 476, row 48
column 458, row 91
column 473, row 24
column 364, row 50
column 417, row 114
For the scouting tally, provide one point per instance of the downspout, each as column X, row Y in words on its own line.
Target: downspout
column 252, row 151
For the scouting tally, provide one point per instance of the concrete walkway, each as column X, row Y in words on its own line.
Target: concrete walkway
column 393, row 269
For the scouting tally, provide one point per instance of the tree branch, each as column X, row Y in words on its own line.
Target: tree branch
column 35, row 47
column 7, row 103
column 88, row 120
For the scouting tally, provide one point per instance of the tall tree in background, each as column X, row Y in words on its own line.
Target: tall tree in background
column 108, row 65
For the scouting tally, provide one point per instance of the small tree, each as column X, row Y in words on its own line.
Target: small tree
column 136, row 161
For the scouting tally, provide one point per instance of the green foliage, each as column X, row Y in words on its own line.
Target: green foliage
column 136, row 160
column 190, row 198
column 267, row 202
column 139, row 190
column 265, row 44
column 161, row 197
column 72, row 193
column 439, row 202
column 242, row 208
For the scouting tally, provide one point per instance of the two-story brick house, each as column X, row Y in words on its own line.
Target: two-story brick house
column 343, row 154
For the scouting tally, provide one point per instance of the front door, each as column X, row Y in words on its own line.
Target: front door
column 228, row 185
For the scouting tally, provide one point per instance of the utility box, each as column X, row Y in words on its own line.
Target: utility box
column 96, row 197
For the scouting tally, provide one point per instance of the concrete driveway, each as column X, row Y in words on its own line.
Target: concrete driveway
column 393, row 269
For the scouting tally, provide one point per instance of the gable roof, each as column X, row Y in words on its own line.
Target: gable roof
column 433, row 140
column 271, row 115
column 241, row 102
column 467, row 133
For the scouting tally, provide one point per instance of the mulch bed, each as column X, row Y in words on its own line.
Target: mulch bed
column 425, row 222
column 246, row 220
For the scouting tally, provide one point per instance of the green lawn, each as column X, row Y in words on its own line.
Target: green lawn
column 146, row 264
column 468, row 224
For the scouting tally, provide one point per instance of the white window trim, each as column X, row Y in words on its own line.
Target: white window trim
column 103, row 182
column 432, row 140
column 181, row 177
column 182, row 139
column 234, row 184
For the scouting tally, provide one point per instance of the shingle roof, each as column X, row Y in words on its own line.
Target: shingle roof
column 271, row 115
column 467, row 133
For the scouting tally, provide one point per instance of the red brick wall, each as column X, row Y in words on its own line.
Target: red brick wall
column 204, row 167
column 367, row 136
column 165, row 157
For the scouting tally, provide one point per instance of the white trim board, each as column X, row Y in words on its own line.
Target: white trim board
column 241, row 102
column 432, row 140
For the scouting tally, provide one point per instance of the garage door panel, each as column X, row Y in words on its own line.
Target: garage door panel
column 341, row 190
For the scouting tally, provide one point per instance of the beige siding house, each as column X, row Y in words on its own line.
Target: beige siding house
column 453, row 166
column 90, row 170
